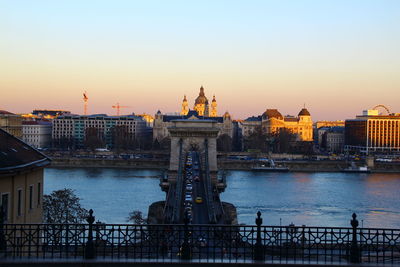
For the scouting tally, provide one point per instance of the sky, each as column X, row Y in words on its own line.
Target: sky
column 335, row 57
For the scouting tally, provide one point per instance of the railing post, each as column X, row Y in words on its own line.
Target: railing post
column 89, row 249
column 186, row 253
column 258, row 249
column 354, row 249
column 3, row 243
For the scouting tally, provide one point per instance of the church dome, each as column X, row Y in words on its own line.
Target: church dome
column 304, row 112
column 227, row 115
column 201, row 99
column 272, row 113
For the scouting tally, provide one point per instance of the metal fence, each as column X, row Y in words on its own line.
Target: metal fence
column 201, row 243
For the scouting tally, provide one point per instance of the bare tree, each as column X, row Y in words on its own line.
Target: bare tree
column 94, row 138
column 256, row 140
column 136, row 217
column 63, row 206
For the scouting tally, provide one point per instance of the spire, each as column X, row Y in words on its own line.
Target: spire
column 213, row 112
column 185, row 107
column 201, row 91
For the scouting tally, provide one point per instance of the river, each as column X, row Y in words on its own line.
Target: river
column 313, row 199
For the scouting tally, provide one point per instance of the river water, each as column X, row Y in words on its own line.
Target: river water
column 313, row 199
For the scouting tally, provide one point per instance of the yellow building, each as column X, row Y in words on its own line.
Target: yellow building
column 11, row 123
column 273, row 121
column 21, row 180
column 201, row 105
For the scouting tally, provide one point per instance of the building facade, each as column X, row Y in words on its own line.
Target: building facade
column 75, row 128
column 21, row 180
column 372, row 132
column 37, row 133
column 11, row 123
column 331, row 139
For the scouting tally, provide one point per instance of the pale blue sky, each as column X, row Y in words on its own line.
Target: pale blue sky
column 338, row 57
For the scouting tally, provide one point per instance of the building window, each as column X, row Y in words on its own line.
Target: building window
column 19, row 204
column 30, row 197
column 38, row 193
column 4, row 205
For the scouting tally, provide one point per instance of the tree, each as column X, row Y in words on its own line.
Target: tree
column 94, row 138
column 256, row 140
column 136, row 217
column 283, row 140
column 63, row 206
column 122, row 138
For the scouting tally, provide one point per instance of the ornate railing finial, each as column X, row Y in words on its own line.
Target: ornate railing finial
column 354, row 249
column 89, row 250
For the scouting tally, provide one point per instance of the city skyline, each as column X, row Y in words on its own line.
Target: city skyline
column 336, row 57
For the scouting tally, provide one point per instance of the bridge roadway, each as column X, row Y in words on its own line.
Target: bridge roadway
column 193, row 172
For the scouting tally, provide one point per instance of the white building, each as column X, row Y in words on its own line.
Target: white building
column 37, row 133
column 75, row 128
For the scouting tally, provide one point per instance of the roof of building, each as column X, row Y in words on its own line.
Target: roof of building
column 304, row 112
column 291, row 118
column 6, row 112
column 41, row 122
column 254, row 118
column 16, row 155
column 227, row 115
column 272, row 113
column 336, row 129
column 191, row 113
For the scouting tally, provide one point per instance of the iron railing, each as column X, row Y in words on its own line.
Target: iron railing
column 201, row 243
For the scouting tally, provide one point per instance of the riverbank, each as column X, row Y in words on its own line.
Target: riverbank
column 223, row 164
column 158, row 164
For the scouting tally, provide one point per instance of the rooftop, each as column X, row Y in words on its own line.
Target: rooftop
column 16, row 154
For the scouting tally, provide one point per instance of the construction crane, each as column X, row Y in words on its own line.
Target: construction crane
column 118, row 107
column 85, row 101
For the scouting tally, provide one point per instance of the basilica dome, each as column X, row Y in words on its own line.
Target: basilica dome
column 201, row 99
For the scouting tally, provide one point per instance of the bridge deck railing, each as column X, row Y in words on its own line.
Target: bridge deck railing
column 200, row 243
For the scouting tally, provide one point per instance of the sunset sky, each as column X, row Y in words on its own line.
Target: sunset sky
column 336, row 57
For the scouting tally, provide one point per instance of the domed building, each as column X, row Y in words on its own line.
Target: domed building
column 201, row 110
column 272, row 121
column 201, row 105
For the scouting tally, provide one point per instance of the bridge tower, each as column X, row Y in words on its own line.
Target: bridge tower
column 193, row 134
